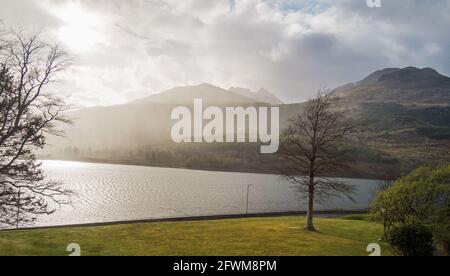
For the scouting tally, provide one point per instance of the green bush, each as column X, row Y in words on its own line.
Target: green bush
column 423, row 198
column 442, row 237
column 412, row 240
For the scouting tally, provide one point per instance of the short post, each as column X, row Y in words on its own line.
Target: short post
column 18, row 210
column 248, row 192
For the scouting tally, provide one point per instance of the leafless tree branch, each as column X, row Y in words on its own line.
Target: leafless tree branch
column 28, row 112
column 310, row 147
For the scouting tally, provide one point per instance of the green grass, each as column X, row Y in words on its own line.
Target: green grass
column 279, row 236
column 367, row 217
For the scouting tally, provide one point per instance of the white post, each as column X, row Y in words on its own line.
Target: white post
column 18, row 210
column 248, row 192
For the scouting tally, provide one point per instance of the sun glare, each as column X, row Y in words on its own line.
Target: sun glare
column 80, row 30
column 77, row 37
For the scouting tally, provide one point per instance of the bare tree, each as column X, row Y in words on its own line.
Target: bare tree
column 28, row 112
column 310, row 147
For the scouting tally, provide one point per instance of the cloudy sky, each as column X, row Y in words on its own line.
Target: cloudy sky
column 129, row 49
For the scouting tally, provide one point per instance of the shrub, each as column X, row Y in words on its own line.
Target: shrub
column 442, row 237
column 423, row 197
column 412, row 240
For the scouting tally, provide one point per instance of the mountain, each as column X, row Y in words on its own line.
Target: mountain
column 408, row 86
column 145, row 121
column 407, row 115
column 412, row 77
column 375, row 76
column 210, row 94
column 262, row 95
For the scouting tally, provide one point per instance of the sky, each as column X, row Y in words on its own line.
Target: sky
column 125, row 50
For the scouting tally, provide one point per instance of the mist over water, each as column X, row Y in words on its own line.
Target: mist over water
column 107, row 193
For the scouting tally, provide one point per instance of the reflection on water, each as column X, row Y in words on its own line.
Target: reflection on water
column 105, row 193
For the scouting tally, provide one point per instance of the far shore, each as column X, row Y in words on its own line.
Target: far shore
column 141, row 164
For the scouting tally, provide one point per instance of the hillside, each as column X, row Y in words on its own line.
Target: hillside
column 210, row 95
column 261, row 96
column 408, row 86
column 143, row 122
column 407, row 113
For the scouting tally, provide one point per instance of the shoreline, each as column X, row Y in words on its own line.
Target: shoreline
column 139, row 164
column 320, row 214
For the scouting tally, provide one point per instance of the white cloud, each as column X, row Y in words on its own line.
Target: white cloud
column 128, row 49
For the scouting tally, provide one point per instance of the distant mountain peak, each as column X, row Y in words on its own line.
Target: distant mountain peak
column 262, row 95
column 409, row 85
column 211, row 94
column 416, row 77
column 430, row 71
column 375, row 76
column 403, row 75
column 204, row 85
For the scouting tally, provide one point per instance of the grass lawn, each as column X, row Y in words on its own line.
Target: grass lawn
column 278, row 236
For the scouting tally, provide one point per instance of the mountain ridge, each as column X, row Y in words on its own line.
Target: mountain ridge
column 406, row 86
column 409, row 125
column 210, row 94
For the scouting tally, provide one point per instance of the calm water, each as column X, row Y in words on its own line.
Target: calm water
column 105, row 193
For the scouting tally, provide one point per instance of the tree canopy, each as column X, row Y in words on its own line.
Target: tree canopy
column 422, row 197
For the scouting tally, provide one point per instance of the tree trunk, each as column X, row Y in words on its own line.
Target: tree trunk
column 310, row 212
